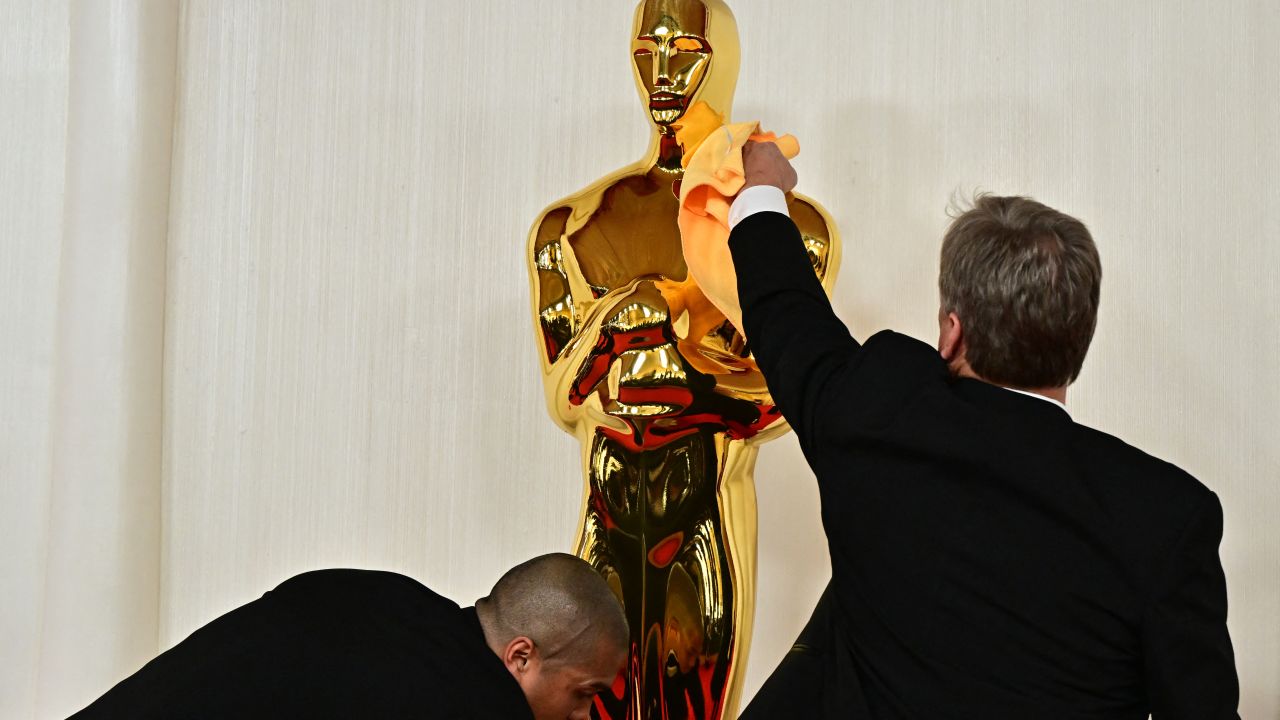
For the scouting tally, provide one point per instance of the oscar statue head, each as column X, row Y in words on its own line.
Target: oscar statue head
column 685, row 51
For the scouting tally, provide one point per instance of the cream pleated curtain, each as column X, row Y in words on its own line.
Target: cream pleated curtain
column 264, row 305
column 85, row 130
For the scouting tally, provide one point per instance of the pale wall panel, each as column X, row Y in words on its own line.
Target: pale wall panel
column 33, row 121
column 351, row 375
column 86, row 109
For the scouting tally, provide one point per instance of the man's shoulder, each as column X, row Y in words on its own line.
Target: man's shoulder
column 1157, row 494
column 894, row 342
column 888, row 354
column 883, row 376
column 363, row 586
column 352, row 577
column 1135, row 462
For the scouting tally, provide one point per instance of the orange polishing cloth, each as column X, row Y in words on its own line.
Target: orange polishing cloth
column 713, row 177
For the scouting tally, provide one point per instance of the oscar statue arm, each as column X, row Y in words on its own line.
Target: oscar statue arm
column 557, row 309
column 821, row 238
column 582, row 329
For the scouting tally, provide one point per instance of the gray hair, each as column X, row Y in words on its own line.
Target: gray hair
column 1025, row 281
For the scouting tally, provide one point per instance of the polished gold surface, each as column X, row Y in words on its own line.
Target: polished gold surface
column 669, row 414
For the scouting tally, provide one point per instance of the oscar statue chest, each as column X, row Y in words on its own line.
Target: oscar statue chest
column 631, row 234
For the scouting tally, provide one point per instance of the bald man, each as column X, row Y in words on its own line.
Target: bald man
column 367, row 644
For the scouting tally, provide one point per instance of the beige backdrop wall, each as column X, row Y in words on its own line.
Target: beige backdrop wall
column 349, row 371
column 86, row 108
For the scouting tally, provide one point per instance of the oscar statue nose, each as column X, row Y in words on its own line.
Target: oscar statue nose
column 664, row 73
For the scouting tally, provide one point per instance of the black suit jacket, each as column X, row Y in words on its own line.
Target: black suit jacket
column 990, row 557
column 327, row 644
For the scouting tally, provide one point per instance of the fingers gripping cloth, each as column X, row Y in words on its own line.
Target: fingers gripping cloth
column 713, row 177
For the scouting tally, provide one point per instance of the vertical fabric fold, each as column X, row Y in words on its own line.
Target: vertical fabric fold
column 102, row 566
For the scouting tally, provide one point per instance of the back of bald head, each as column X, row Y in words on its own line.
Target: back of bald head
column 560, row 603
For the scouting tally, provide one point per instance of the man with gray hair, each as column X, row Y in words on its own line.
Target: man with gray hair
column 367, row 644
column 990, row 557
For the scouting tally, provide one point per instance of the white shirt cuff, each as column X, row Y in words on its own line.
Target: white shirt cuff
column 757, row 199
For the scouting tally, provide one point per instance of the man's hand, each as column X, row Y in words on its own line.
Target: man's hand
column 763, row 164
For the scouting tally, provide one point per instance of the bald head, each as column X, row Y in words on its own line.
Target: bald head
column 560, row 603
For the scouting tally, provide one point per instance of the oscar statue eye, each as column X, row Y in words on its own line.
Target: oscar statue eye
column 689, row 44
column 644, row 53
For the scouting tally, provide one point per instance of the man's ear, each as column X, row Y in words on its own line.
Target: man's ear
column 950, row 337
column 518, row 655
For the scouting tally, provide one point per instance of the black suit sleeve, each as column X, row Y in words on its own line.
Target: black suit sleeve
column 795, row 336
column 1190, row 666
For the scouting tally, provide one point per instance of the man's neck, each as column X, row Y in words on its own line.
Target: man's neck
column 1056, row 394
column 1059, row 399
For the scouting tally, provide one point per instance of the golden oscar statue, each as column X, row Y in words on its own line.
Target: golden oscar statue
column 669, row 414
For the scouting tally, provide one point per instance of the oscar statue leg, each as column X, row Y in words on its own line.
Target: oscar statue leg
column 688, row 559
column 652, row 528
column 611, row 539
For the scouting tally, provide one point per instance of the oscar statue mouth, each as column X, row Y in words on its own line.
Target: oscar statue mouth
column 664, row 100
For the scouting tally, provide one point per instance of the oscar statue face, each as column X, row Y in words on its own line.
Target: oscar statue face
column 671, row 65
column 684, row 51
